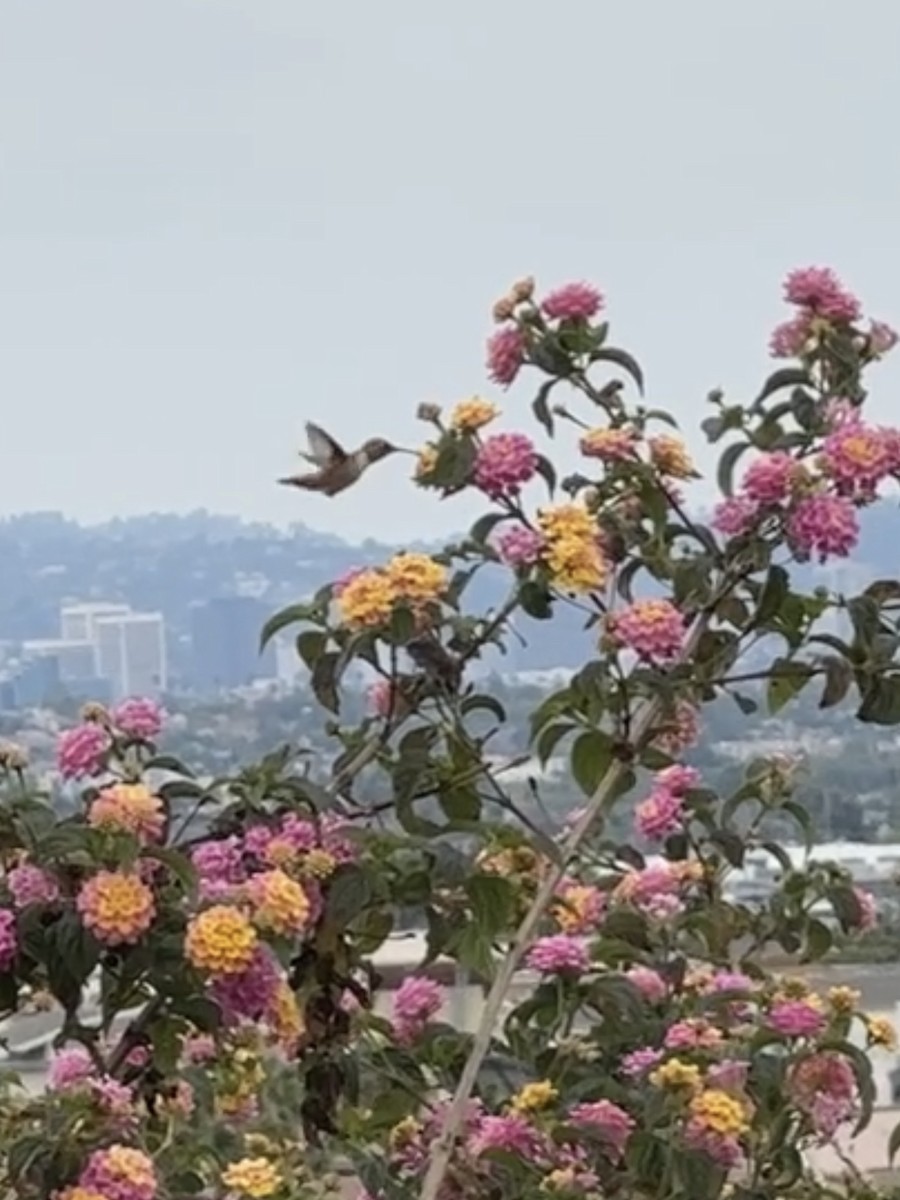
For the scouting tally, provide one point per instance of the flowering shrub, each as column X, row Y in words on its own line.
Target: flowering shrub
column 226, row 929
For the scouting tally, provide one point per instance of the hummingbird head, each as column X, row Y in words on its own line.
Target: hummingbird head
column 376, row 448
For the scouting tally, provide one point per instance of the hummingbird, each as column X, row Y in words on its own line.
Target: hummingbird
column 335, row 467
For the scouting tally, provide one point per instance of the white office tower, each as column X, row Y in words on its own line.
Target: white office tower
column 77, row 621
column 131, row 653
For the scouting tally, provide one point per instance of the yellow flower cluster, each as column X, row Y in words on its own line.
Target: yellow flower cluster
column 220, row 940
column 534, row 1096
column 416, row 578
column 246, row 1074
column 572, row 549
column 473, row 414
column 404, row 1132
column 670, row 457
column 720, row 1112
column 368, row 598
column 843, row 999
column 881, row 1033
column 579, row 900
column 253, row 1177
column 287, row 1019
column 319, row 864
column 676, row 1074
column 128, row 808
column 279, row 903
column 510, row 862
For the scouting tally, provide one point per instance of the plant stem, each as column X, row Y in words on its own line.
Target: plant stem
column 443, row 1148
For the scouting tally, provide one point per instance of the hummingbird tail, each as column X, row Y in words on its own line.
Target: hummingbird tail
column 299, row 481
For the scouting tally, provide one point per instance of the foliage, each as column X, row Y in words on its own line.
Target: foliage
column 228, row 927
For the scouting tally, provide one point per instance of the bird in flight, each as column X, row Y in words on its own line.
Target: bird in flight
column 335, row 467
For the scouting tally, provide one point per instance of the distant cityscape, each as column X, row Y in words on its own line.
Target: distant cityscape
column 168, row 604
column 107, row 651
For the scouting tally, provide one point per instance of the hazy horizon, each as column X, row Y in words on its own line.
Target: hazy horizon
column 218, row 221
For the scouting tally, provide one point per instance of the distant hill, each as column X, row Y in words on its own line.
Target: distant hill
column 170, row 563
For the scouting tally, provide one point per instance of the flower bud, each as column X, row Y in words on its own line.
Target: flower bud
column 522, row 289
column 13, row 756
column 95, row 713
column 429, row 412
column 504, row 309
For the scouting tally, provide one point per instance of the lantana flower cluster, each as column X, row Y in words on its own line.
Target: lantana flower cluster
column 814, row 494
column 365, row 598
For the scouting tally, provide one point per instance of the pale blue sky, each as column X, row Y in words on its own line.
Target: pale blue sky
column 219, row 218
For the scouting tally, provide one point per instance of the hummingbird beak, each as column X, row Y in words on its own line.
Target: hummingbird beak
column 405, row 450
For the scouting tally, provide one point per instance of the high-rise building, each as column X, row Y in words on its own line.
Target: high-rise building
column 131, row 653
column 77, row 621
column 225, row 635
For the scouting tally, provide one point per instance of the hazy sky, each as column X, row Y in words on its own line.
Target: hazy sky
column 219, row 218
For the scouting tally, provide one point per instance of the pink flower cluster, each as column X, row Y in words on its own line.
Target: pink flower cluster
column 139, row 718
column 662, row 813
column 518, row 546
column 858, row 457
column 681, row 729
column 655, row 889
column 822, row 526
column 9, row 939
column 824, row 1087
column 653, row 629
column 820, row 296
column 249, row 995
column 606, row 1119
column 722, row 1148
column 796, row 1018
column 225, row 865
column 649, row 983
column 559, row 954
column 505, row 354
column 80, row 751
column 30, row 884
column 505, row 461
column 416, row 1001
column 818, row 523
column 577, row 301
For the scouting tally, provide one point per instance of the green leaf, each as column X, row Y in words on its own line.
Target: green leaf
column 310, row 645
column 787, row 679
column 324, row 680
column 547, row 472
column 727, row 463
column 541, row 406
column 481, row 701
column 893, row 1144
column 493, row 903
column 402, row 626
column 549, row 737
column 883, row 590
column 621, row 358
column 536, row 600
column 178, row 863
column 460, row 804
column 484, row 526
column 783, row 378
column 349, row 892
column 472, row 949
column 801, row 815
column 773, row 594
column 838, row 677
column 881, row 701
column 72, row 954
column 591, row 759
column 280, row 620
column 818, row 940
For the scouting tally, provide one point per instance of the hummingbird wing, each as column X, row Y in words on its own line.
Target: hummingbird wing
column 324, row 451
